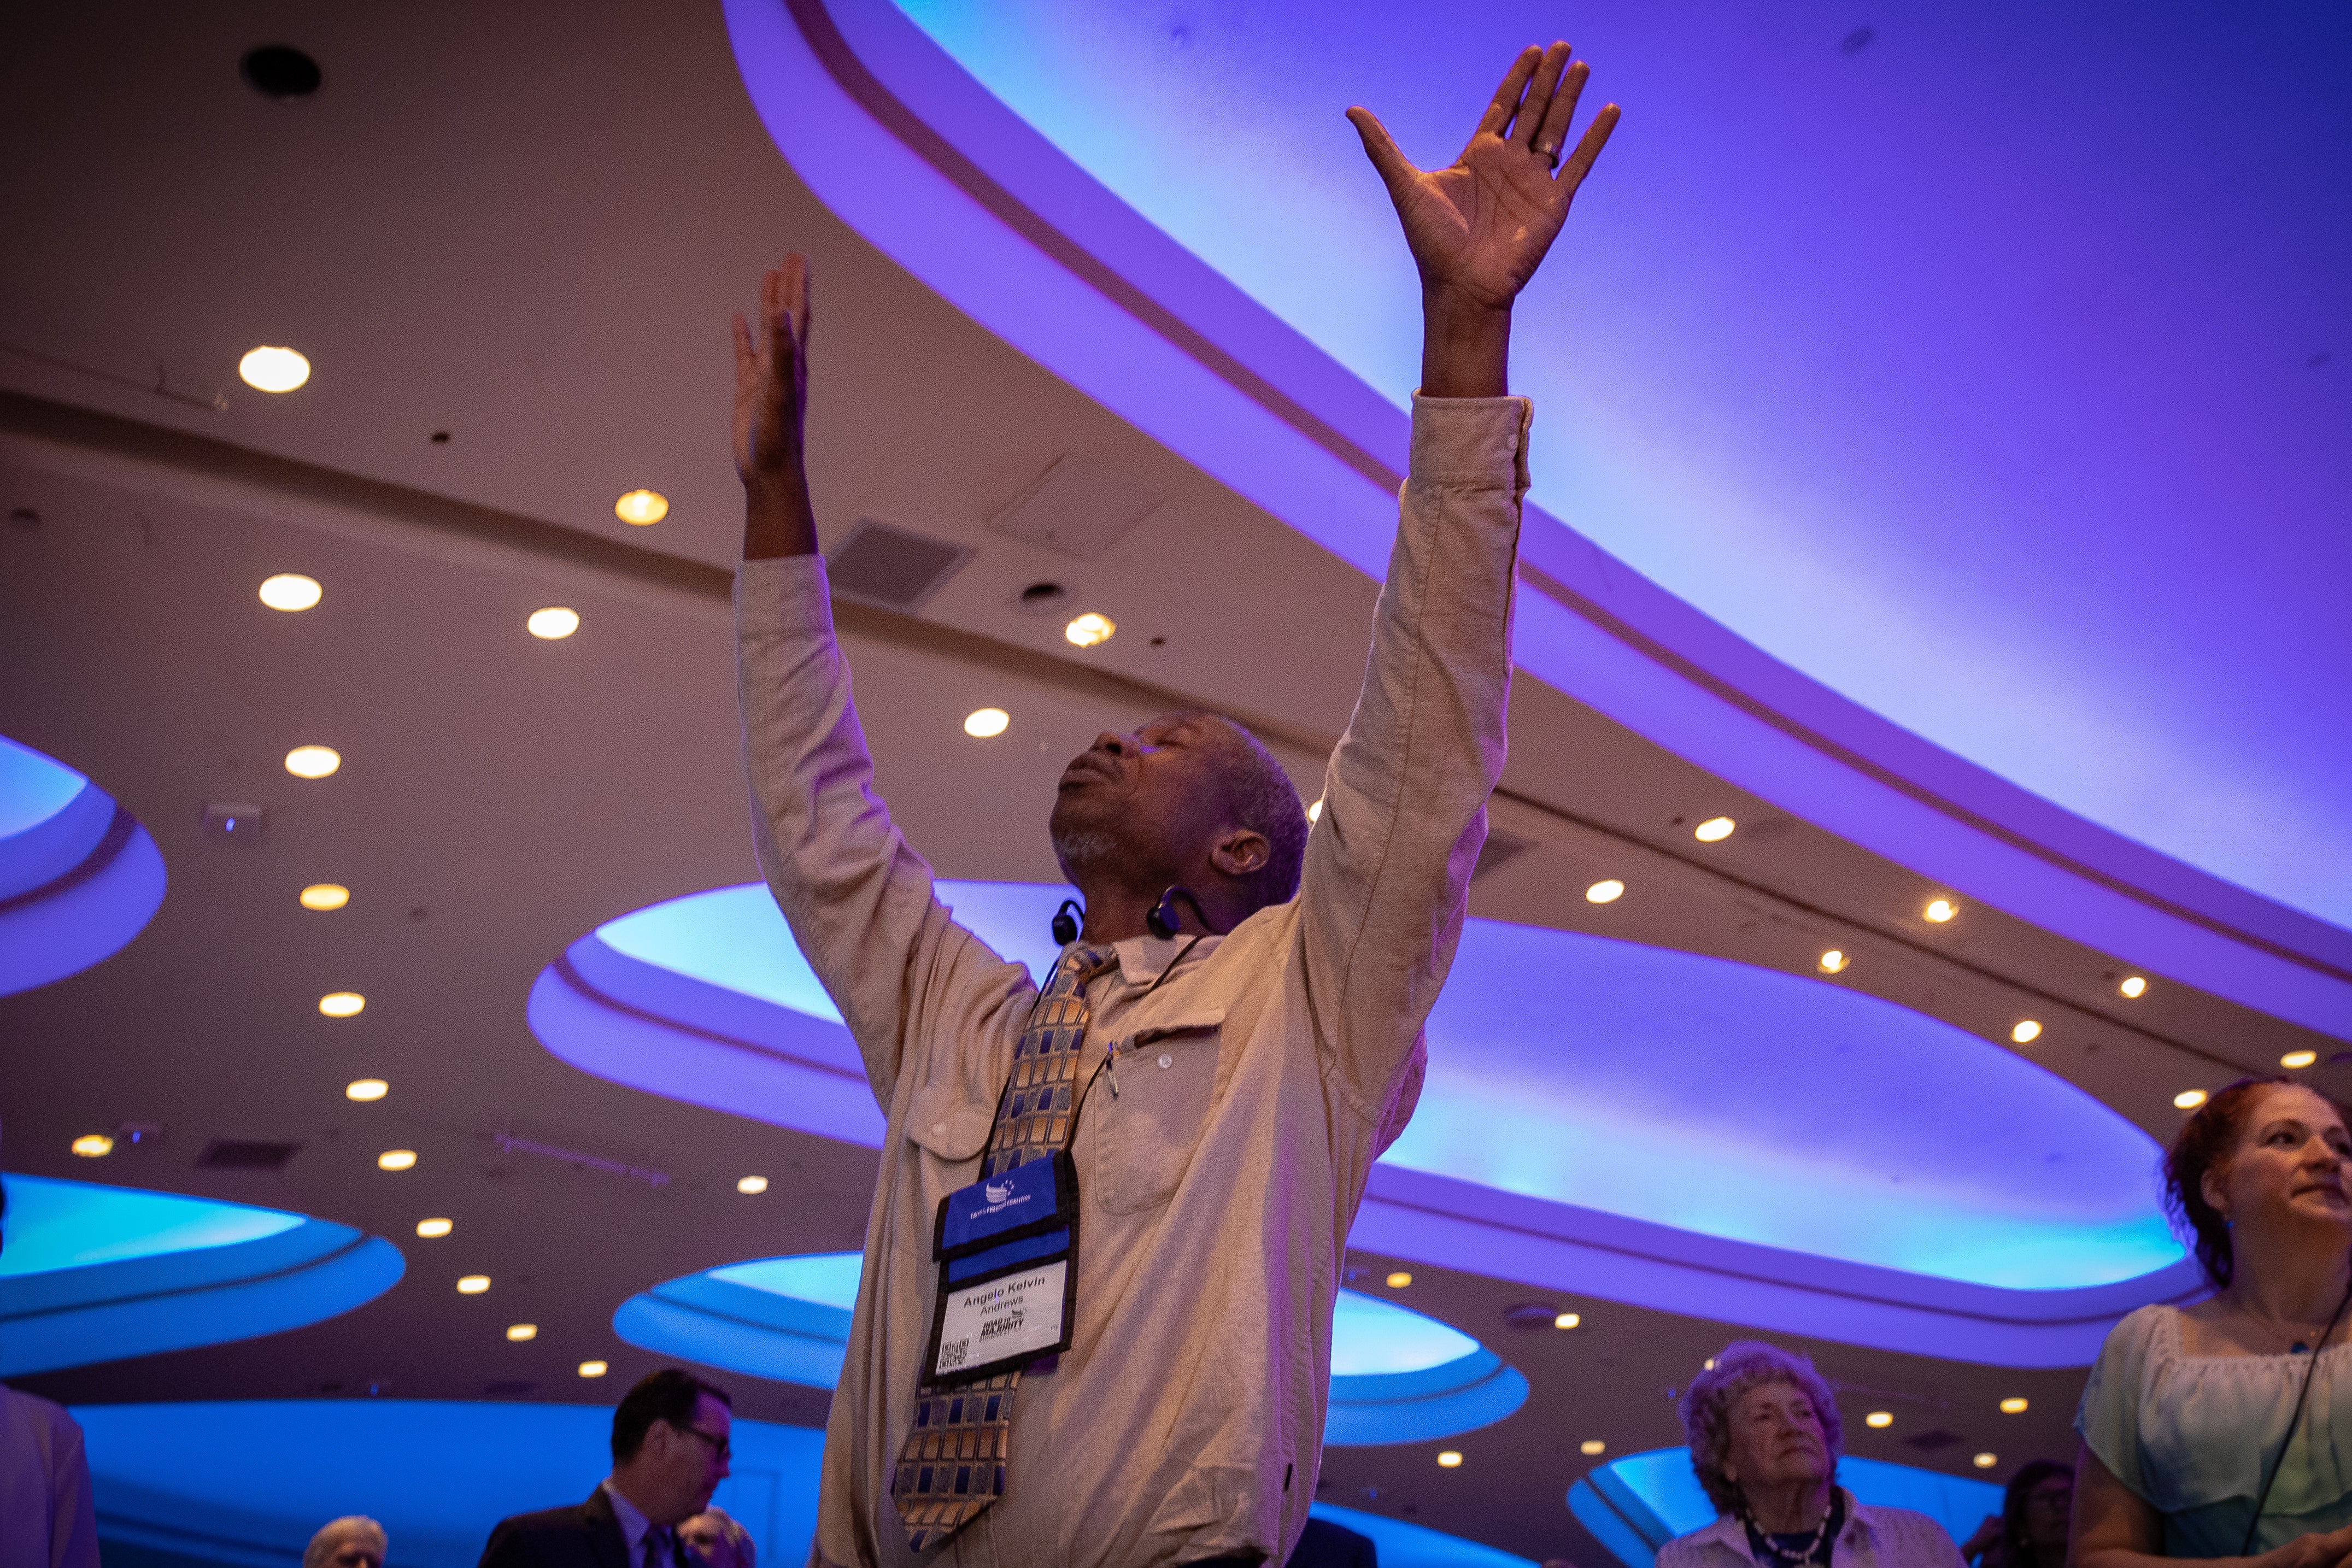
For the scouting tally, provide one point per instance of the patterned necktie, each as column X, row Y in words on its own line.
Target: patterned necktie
column 954, row 1463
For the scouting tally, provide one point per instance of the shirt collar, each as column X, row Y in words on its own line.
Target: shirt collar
column 1143, row 959
column 633, row 1525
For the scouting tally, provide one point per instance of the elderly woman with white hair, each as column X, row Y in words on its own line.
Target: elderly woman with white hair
column 720, row 1538
column 1765, row 1438
column 353, row 1540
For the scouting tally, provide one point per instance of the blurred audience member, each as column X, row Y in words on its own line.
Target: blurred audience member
column 670, row 1447
column 1323, row 1544
column 2030, row 1530
column 354, row 1540
column 1765, row 1438
column 2225, row 1429
column 46, row 1519
column 720, row 1538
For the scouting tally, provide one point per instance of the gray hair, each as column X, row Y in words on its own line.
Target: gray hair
column 1265, row 800
column 331, row 1535
column 739, row 1539
column 1743, row 1364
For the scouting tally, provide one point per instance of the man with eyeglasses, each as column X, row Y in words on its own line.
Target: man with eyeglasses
column 670, row 1449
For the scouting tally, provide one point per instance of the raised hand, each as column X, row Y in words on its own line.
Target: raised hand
column 1480, row 227
column 770, row 405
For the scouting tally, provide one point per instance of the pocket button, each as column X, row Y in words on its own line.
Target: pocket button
column 1166, row 1061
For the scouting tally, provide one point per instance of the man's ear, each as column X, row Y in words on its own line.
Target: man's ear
column 1242, row 852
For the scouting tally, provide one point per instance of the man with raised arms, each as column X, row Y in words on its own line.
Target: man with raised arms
column 1095, row 1321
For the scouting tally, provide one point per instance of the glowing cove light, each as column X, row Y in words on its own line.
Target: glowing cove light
column 79, row 877
column 1396, row 1375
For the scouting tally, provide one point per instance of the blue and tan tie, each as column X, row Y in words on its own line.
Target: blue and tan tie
column 954, row 1463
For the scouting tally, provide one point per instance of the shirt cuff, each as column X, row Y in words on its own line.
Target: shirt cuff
column 1480, row 442
column 785, row 595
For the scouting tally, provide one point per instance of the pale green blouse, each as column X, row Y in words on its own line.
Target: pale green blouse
column 2192, row 1435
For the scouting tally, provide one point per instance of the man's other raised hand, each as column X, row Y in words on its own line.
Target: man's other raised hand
column 1479, row 229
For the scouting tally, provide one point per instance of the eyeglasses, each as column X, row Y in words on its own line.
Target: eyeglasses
column 721, row 1448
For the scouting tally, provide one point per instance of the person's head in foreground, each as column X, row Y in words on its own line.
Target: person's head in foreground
column 720, row 1538
column 354, row 1540
column 1188, row 801
column 2035, row 1510
column 1764, row 1435
column 2257, row 1176
column 671, row 1445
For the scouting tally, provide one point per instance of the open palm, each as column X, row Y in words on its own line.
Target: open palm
column 1479, row 229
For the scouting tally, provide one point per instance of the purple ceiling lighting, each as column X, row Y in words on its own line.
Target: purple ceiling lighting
column 78, row 876
column 1670, row 1130
column 1907, row 445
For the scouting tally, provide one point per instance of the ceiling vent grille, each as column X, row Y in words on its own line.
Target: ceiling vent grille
column 1499, row 852
column 1928, row 1442
column 242, row 1155
column 1080, row 506
column 892, row 566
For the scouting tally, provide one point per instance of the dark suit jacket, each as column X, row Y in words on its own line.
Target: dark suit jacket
column 1328, row 1545
column 585, row 1535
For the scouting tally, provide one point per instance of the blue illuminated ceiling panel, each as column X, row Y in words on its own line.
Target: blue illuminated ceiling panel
column 1931, row 494
column 1396, row 1375
column 78, row 876
column 1569, row 1078
column 1636, row 1504
column 95, row 1274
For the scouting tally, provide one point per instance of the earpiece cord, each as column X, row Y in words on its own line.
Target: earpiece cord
column 2278, row 1461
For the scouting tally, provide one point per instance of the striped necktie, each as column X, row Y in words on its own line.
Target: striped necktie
column 954, row 1463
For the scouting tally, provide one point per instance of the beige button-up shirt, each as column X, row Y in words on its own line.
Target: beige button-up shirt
column 1257, row 1083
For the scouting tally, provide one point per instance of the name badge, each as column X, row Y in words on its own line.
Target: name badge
column 1006, row 1247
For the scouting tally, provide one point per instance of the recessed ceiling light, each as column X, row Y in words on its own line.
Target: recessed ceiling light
column 325, row 895
column 1315, row 811
column 593, row 1369
column 341, row 1004
column 2134, row 986
column 473, row 1284
column 2013, row 1406
column 981, row 723
column 273, row 370
column 1593, row 1445
column 1090, row 629
column 2026, row 1033
column 1714, row 831
column 366, row 1089
column 2298, row 1059
column 752, row 1185
column 1941, row 909
column 433, row 1229
column 553, row 624
column 1608, row 892
column 91, row 1145
column 521, row 1331
column 2188, row 1099
column 396, row 1160
column 313, row 761
column 1566, row 1321
column 290, row 590
column 1399, row 1280
column 1879, row 1418
column 642, row 508
column 1986, row 1461
column 1451, row 1459
column 1835, row 962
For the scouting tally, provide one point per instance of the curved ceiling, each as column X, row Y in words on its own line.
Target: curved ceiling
column 93, row 1273
column 1397, row 1375
column 1581, row 1075
column 1925, row 478
column 78, row 876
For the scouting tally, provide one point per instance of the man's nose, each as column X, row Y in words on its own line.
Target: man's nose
column 1118, row 744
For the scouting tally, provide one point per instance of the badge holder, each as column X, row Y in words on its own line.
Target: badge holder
column 1007, row 1251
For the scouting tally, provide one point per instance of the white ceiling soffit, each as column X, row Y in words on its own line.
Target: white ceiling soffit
column 911, row 152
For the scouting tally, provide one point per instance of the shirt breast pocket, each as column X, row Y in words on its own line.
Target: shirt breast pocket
column 1167, row 1078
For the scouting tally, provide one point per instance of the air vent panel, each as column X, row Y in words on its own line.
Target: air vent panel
column 244, row 1154
column 1080, row 506
column 892, row 566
